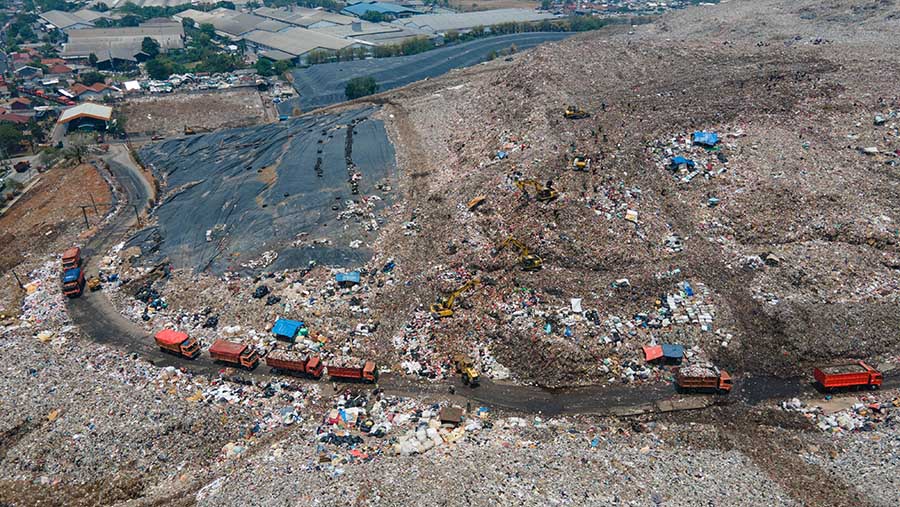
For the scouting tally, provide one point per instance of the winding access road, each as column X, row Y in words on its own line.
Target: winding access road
column 98, row 319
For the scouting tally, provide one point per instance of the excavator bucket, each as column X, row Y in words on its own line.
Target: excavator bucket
column 532, row 262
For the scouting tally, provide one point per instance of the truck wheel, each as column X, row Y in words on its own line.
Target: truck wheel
column 465, row 379
column 874, row 387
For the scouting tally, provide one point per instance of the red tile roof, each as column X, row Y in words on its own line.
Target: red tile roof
column 14, row 118
column 59, row 69
column 79, row 88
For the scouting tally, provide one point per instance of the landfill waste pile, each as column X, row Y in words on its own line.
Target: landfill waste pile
column 864, row 415
column 738, row 213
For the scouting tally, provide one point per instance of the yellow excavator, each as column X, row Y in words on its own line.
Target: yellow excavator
column 445, row 307
column 575, row 113
column 528, row 260
column 543, row 193
column 466, row 369
column 581, row 163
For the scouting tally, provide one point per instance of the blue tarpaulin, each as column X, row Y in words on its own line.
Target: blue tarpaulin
column 706, row 138
column 287, row 328
column 351, row 277
column 673, row 352
column 681, row 160
column 71, row 275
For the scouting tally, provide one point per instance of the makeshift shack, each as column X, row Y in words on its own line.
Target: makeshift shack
column 288, row 330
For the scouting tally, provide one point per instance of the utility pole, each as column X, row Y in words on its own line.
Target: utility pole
column 136, row 215
column 17, row 279
column 84, row 213
column 95, row 205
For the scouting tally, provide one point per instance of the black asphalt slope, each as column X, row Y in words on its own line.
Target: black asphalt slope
column 230, row 196
column 323, row 85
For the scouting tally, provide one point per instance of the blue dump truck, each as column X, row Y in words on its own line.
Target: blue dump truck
column 73, row 282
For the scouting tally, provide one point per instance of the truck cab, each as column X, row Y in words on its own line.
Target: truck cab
column 725, row 382
column 249, row 358
column 73, row 282
column 190, row 348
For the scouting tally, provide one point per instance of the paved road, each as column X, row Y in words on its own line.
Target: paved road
column 94, row 314
column 322, row 85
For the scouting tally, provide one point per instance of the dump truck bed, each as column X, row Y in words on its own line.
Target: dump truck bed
column 229, row 351
column 170, row 337
column 846, row 375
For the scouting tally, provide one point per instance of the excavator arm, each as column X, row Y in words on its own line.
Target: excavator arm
column 543, row 193
column 528, row 261
column 445, row 308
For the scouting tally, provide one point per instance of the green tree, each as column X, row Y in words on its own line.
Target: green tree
column 101, row 7
column 92, row 59
column 208, row 29
column 264, row 67
column 283, row 66
column 89, row 78
column 373, row 16
column 10, row 138
column 360, row 87
column 160, row 68
column 187, row 23
column 77, row 147
column 546, row 4
column 150, row 47
column 477, row 31
column 451, row 36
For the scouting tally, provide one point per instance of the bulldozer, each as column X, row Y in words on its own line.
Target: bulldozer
column 94, row 284
column 445, row 307
column 543, row 193
column 526, row 259
column 575, row 113
column 466, row 369
column 581, row 163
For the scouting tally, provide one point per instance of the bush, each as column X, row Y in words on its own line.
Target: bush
column 360, row 87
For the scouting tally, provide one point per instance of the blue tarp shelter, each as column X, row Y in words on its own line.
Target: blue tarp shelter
column 672, row 353
column 347, row 278
column 286, row 328
column 704, row 138
column 679, row 160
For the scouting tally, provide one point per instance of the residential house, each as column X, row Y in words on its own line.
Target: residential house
column 95, row 92
column 20, row 104
column 28, row 72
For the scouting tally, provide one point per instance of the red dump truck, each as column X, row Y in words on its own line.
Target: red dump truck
column 368, row 373
column 71, row 258
column 849, row 374
column 281, row 360
column 235, row 354
column 177, row 343
column 703, row 379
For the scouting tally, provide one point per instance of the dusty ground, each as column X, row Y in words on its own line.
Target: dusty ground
column 484, row 5
column 793, row 113
column 47, row 219
column 167, row 115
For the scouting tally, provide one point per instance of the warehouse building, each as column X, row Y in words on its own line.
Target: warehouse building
column 66, row 21
column 232, row 24
column 388, row 9
column 296, row 43
column 464, row 21
column 305, row 18
column 122, row 46
column 86, row 116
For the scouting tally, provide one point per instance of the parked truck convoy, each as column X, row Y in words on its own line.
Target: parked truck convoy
column 73, row 282
column 235, row 354
column 177, row 343
column 281, row 360
column 850, row 374
column 699, row 379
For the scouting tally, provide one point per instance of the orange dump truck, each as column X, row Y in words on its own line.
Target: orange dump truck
column 71, row 258
column 368, row 373
column 703, row 379
column 285, row 361
column 850, row 374
column 235, row 354
column 177, row 343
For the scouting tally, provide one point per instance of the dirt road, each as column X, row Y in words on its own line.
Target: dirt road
column 94, row 314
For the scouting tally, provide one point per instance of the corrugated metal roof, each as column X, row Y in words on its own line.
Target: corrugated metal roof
column 86, row 110
column 296, row 41
column 467, row 20
column 361, row 8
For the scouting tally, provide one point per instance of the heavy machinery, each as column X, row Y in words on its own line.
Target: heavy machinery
column 543, row 193
column 575, row 113
column 290, row 361
column 445, row 307
column 94, row 284
column 367, row 373
column 73, row 282
column 466, row 369
column 526, row 259
column 581, row 163
column 189, row 131
column 234, row 354
column 692, row 379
